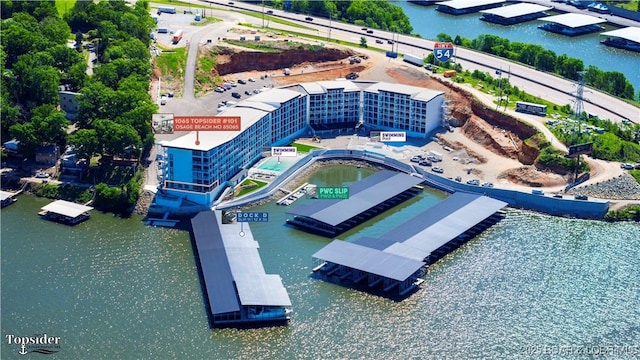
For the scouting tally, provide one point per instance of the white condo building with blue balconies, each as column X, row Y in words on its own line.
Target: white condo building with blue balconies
column 199, row 166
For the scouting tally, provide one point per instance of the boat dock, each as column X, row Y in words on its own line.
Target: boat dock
column 398, row 259
column 294, row 195
column 238, row 291
column 514, row 14
column 461, row 7
column 65, row 212
column 367, row 198
column 7, row 197
column 572, row 24
column 626, row 38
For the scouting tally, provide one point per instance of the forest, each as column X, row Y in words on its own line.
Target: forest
column 375, row 14
column 42, row 53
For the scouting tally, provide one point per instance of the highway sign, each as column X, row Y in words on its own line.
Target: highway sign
column 443, row 51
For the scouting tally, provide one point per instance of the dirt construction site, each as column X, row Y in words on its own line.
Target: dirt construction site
column 482, row 145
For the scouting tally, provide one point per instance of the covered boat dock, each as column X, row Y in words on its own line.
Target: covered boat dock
column 238, row 290
column 460, row 7
column 514, row 14
column 65, row 212
column 7, row 197
column 626, row 38
column 408, row 248
column 572, row 24
column 367, row 198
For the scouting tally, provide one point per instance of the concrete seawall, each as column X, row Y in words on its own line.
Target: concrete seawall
column 545, row 204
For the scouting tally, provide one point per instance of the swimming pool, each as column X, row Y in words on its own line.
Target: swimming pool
column 277, row 164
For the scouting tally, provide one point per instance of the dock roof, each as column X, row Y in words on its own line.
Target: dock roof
column 630, row 33
column 66, row 208
column 363, row 195
column 465, row 4
column 516, row 10
column 369, row 260
column 5, row 195
column 231, row 266
column 573, row 20
column 436, row 226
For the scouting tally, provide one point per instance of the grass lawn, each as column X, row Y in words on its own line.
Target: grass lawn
column 64, row 6
column 303, row 148
column 249, row 185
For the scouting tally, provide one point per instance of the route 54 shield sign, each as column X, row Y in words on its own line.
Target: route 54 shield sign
column 443, row 51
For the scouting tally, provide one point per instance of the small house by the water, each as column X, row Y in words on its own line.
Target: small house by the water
column 65, row 212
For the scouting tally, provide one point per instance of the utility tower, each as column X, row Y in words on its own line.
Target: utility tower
column 578, row 107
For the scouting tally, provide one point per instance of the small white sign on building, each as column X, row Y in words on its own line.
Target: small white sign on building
column 393, row 136
column 286, row 151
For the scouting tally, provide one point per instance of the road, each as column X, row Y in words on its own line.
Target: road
column 544, row 85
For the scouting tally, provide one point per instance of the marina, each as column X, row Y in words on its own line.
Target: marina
column 367, row 198
column 398, row 258
column 572, row 24
column 65, row 212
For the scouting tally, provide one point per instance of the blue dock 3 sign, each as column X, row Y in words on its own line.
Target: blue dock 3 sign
column 252, row 217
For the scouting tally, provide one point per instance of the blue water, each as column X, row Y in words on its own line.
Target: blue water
column 428, row 22
column 277, row 164
column 115, row 288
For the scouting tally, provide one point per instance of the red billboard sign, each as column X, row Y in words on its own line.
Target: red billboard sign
column 206, row 123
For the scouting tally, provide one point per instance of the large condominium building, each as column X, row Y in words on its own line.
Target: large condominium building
column 200, row 170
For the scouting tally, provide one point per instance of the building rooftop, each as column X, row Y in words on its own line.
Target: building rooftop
column 630, row 33
column 363, row 195
column 516, row 10
column 464, row 4
column 416, row 93
column 66, row 208
column 573, row 20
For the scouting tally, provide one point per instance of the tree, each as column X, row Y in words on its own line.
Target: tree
column 117, row 139
column 363, row 42
column 85, row 142
column 546, row 60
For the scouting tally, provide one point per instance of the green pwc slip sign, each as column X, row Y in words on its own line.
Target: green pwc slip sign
column 333, row 192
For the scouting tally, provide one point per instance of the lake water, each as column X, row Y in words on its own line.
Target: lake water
column 428, row 22
column 115, row 288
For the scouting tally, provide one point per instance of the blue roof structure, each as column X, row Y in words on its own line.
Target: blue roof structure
column 363, row 195
column 231, row 266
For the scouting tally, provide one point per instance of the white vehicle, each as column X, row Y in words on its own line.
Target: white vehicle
column 435, row 156
column 287, row 71
column 487, row 184
column 437, row 169
column 163, row 100
column 42, row 175
column 251, row 80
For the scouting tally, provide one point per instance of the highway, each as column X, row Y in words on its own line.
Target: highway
column 540, row 84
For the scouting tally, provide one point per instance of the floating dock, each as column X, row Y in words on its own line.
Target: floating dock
column 572, row 24
column 514, row 14
column 626, row 38
column 65, row 212
column 398, row 259
column 461, row 7
column 367, row 198
column 238, row 290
